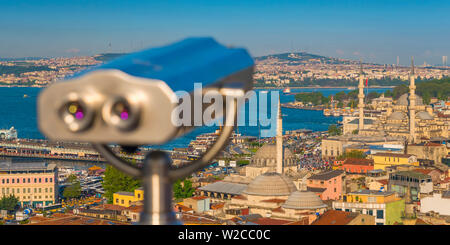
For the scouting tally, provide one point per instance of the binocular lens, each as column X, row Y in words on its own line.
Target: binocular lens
column 119, row 113
column 121, row 109
column 75, row 116
column 76, row 110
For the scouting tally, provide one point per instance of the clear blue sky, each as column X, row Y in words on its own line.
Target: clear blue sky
column 376, row 31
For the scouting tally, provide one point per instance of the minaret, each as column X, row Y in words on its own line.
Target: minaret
column 412, row 104
column 361, row 99
column 279, row 139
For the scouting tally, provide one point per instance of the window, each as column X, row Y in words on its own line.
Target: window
column 7, row 181
column 334, row 189
column 35, row 180
column 46, row 180
column 117, row 200
column 39, row 180
column 12, row 181
column 380, row 214
column 370, row 212
column 23, row 180
column 51, row 180
column 379, row 223
column 122, row 201
column 29, row 180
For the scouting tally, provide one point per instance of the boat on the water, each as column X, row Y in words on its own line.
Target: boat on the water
column 286, row 90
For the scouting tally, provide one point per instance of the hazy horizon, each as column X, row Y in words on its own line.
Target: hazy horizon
column 376, row 32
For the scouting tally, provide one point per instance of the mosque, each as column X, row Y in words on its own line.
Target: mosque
column 269, row 186
column 407, row 118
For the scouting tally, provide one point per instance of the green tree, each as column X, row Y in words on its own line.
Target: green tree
column 9, row 203
column 333, row 130
column 356, row 131
column 352, row 154
column 115, row 181
column 183, row 189
column 74, row 189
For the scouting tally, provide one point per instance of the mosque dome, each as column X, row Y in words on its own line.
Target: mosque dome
column 404, row 100
column 397, row 116
column 303, row 200
column 424, row 115
column 271, row 184
column 266, row 156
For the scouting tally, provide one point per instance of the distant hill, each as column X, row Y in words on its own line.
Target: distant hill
column 108, row 56
column 303, row 57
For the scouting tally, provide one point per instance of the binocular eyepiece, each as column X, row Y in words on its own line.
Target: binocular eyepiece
column 130, row 100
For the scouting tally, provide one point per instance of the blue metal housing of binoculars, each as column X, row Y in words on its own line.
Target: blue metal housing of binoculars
column 130, row 99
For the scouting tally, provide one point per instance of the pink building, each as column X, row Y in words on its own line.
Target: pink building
column 328, row 185
column 34, row 184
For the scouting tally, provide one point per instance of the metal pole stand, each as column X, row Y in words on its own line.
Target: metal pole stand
column 158, row 175
column 157, row 191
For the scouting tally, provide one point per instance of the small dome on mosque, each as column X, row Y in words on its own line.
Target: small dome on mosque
column 303, row 200
column 424, row 115
column 397, row 116
column 271, row 184
column 404, row 100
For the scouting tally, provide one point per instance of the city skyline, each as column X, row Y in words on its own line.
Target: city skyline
column 344, row 29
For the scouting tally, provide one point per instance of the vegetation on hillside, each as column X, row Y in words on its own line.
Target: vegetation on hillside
column 115, row 181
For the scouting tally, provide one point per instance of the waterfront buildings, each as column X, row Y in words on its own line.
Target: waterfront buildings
column 34, row 184
column 386, row 207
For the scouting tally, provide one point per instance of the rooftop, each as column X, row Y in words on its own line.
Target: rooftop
column 412, row 174
column 26, row 166
column 381, row 154
column 327, row 175
column 356, row 161
column 371, row 192
column 334, row 217
column 224, row 187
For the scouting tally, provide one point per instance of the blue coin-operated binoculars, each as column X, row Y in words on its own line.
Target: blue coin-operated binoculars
column 130, row 101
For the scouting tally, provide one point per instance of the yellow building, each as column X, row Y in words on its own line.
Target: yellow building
column 126, row 199
column 385, row 206
column 383, row 160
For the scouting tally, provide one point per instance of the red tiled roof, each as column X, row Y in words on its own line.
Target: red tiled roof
column 136, row 209
column 69, row 219
column 275, row 200
column 356, row 161
column 334, row 217
column 278, row 210
column 183, row 208
column 111, row 207
column 217, row 205
column 383, row 181
column 240, row 197
column 270, row 221
column 424, row 171
column 199, row 197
